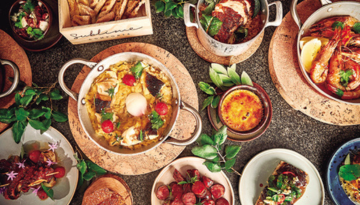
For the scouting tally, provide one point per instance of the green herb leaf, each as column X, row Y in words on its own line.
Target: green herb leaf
column 356, row 27
column 82, row 166
column 7, row 113
column 221, row 135
column 205, row 139
column 167, row 13
column 230, row 163
column 81, row 180
column 29, row 6
column 241, row 33
column 111, row 91
column 18, row 130
column 141, row 136
column 226, row 79
column 89, row 175
column 347, row 160
column 205, row 151
column 182, row 182
column 95, row 168
column 137, row 69
column 106, row 115
column 231, row 151
column 55, row 95
column 42, row 97
column 213, row 167
column 205, row 22
column 159, row 6
column 345, row 77
column 59, row 117
column 257, row 6
column 18, row 24
column 220, row 69
column 21, row 114
column 233, row 75
column 349, row 172
column 338, row 24
column 174, row 13
column 47, row 124
column 8, row 121
column 209, row 9
column 30, row 91
column 215, row 26
column 170, row 6
column 48, row 191
column 47, row 113
column 36, row 124
column 216, row 159
column 207, row 88
column 215, row 78
column 36, row 113
column 215, row 102
column 245, row 79
column 207, row 102
column 26, row 100
column 17, row 98
column 117, row 125
column 180, row 11
column 156, row 121
column 339, row 92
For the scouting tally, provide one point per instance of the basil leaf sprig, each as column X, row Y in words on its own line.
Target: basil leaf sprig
column 156, row 121
column 171, row 7
column 210, row 24
column 210, row 149
column 49, row 191
column 223, row 79
column 87, row 169
column 22, row 112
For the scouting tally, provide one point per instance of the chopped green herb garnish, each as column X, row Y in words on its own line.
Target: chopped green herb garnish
column 106, row 115
column 117, row 125
column 156, row 121
column 111, row 91
column 137, row 69
column 36, row 33
column 141, row 136
column 29, row 6
column 345, row 76
column 339, row 92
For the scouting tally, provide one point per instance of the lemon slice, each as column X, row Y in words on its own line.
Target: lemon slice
column 306, row 39
column 309, row 53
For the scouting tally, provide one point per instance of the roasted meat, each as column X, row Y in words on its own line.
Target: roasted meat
column 233, row 14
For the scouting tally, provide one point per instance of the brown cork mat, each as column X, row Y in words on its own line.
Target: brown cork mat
column 288, row 79
column 164, row 153
column 10, row 50
column 113, row 183
column 212, row 58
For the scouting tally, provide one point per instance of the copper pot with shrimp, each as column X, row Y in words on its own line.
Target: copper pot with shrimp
column 328, row 49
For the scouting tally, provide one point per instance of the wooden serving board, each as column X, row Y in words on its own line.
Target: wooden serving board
column 164, row 153
column 212, row 58
column 112, row 182
column 10, row 50
column 288, row 79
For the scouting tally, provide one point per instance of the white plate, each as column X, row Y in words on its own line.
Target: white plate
column 258, row 170
column 32, row 139
column 183, row 164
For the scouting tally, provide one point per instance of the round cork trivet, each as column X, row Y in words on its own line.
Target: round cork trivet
column 212, row 58
column 113, row 183
column 291, row 84
column 10, row 50
column 164, row 153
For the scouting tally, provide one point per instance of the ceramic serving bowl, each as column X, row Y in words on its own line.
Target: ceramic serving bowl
column 16, row 76
column 15, row 8
column 97, row 69
column 329, row 9
column 224, row 49
column 265, row 100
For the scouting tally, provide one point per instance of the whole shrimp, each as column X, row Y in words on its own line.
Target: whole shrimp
column 355, row 77
column 319, row 68
column 345, row 95
column 353, row 53
column 336, row 65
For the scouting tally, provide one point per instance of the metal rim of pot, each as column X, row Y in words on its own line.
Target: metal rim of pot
column 16, row 77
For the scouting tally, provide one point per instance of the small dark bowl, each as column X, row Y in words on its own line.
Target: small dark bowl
column 265, row 100
column 15, row 7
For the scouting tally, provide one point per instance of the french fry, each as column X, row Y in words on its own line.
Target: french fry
column 135, row 12
column 108, row 17
column 99, row 5
column 73, row 7
column 85, row 2
column 120, row 9
column 85, row 10
column 82, row 20
column 93, row 3
column 130, row 7
column 109, row 4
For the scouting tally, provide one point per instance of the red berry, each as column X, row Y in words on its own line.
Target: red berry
column 107, row 126
column 161, row 108
column 42, row 194
column 34, row 155
column 129, row 80
column 61, row 172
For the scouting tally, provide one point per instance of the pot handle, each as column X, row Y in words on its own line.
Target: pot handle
column 279, row 14
column 295, row 14
column 187, row 19
column 16, row 77
column 71, row 93
column 198, row 129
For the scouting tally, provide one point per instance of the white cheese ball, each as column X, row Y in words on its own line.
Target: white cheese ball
column 136, row 104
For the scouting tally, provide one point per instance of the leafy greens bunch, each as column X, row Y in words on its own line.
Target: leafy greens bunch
column 223, row 79
column 22, row 113
column 348, row 171
column 171, row 7
column 87, row 169
column 210, row 149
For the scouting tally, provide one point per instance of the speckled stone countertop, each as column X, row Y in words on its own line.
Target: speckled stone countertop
column 289, row 128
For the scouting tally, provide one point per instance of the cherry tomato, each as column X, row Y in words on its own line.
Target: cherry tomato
column 61, row 172
column 34, row 155
column 129, row 80
column 107, row 126
column 281, row 198
column 161, row 108
column 42, row 195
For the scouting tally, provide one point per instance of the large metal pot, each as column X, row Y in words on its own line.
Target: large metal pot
column 224, row 49
column 328, row 9
column 97, row 69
